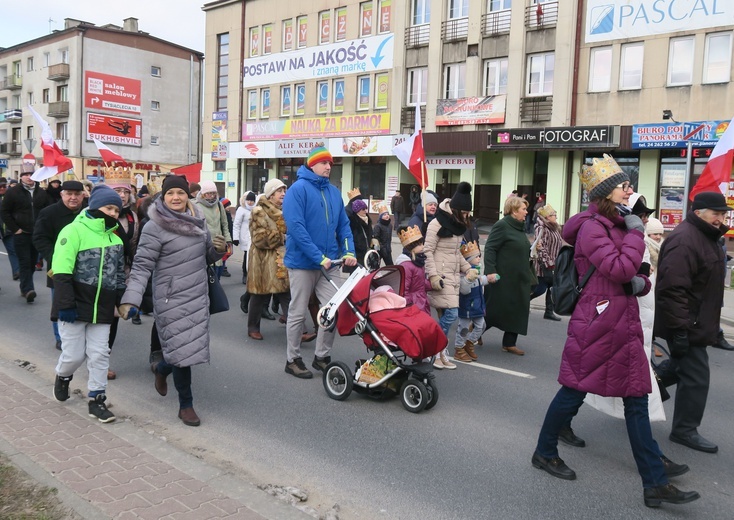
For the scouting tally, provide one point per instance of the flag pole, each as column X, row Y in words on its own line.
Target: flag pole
column 424, row 181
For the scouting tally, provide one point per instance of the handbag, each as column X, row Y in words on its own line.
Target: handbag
column 218, row 301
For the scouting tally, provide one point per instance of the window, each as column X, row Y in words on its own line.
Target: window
column 600, row 69
column 680, row 61
column 540, row 74
column 630, row 66
column 302, row 22
column 62, row 131
column 458, row 9
column 264, row 103
column 382, row 90
column 454, row 80
column 717, row 58
column 254, row 41
column 285, row 100
column 322, row 97
column 46, row 96
column 46, row 59
column 300, row 99
column 421, row 12
column 64, row 55
column 288, row 34
column 364, row 87
column 155, row 105
column 498, row 5
column 29, row 63
column 154, row 140
column 30, row 132
column 495, row 76
column 31, row 98
column 365, row 18
column 252, row 104
column 324, row 27
column 16, row 101
column 267, row 38
column 384, row 11
column 341, row 24
column 62, row 93
column 155, row 71
column 417, row 86
column 338, row 96
column 17, row 69
column 222, row 71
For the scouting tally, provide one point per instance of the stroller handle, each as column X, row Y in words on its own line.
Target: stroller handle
column 334, row 263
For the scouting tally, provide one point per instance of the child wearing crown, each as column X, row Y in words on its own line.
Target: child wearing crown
column 471, row 306
column 413, row 260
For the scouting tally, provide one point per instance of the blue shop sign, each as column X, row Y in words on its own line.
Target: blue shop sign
column 3, row 163
column 677, row 135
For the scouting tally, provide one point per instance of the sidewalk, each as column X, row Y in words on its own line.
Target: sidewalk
column 116, row 470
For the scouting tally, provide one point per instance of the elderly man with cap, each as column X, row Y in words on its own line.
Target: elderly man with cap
column 6, row 236
column 51, row 220
column 21, row 206
column 318, row 232
column 207, row 201
column 688, row 299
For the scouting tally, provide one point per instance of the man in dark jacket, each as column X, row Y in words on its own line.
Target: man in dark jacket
column 51, row 220
column 688, row 299
column 397, row 206
column 21, row 206
column 6, row 236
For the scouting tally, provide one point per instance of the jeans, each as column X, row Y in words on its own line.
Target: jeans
column 12, row 256
column 565, row 406
column 448, row 317
column 27, row 259
column 182, row 382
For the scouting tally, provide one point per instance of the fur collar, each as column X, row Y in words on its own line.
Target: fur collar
column 189, row 223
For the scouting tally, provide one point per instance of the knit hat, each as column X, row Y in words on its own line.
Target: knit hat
column 431, row 198
column 72, row 186
column 226, row 202
column 318, row 155
column 250, row 196
column 654, row 226
column 272, row 186
column 174, row 181
column 358, row 205
column 208, row 187
column 546, row 210
column 600, row 179
column 462, row 198
column 103, row 195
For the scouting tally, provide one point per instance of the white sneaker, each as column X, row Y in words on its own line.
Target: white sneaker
column 446, row 363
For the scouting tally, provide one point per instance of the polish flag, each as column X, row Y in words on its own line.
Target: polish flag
column 107, row 155
column 54, row 161
column 717, row 172
column 411, row 153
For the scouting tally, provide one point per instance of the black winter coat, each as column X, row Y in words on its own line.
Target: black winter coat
column 690, row 282
column 51, row 220
column 18, row 211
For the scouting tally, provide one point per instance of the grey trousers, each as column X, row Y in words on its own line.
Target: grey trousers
column 303, row 283
column 692, row 390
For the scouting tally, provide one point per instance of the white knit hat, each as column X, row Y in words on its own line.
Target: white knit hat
column 654, row 226
column 272, row 186
column 207, row 187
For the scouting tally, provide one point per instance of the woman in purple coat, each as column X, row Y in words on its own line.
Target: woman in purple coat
column 604, row 351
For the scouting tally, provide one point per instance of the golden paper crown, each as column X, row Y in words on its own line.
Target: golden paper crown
column 409, row 235
column 118, row 175
column 469, row 250
column 600, row 175
column 382, row 208
column 353, row 193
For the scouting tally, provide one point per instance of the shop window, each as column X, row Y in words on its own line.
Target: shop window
column 369, row 175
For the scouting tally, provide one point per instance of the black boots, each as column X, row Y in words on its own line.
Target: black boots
column 654, row 497
column 549, row 314
column 721, row 342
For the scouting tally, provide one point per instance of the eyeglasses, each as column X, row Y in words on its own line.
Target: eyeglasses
column 624, row 186
column 552, row 214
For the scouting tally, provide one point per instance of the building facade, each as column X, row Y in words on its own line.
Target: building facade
column 139, row 95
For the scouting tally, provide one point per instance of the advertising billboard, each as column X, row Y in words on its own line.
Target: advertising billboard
column 107, row 92
column 117, row 130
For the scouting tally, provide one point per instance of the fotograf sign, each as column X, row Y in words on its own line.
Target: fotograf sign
column 614, row 20
column 555, row 137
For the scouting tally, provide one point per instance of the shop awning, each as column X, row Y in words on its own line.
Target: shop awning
column 192, row 172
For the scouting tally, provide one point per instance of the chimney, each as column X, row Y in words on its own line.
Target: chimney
column 130, row 25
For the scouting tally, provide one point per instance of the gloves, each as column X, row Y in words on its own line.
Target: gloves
column 472, row 275
column 127, row 311
column 436, row 282
column 220, row 245
column 236, row 242
column 68, row 315
column 375, row 244
column 638, row 285
column 634, row 222
column 679, row 344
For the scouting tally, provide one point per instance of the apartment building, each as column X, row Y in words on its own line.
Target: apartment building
column 512, row 95
column 138, row 94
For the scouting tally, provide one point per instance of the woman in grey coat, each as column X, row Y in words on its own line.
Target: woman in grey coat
column 175, row 248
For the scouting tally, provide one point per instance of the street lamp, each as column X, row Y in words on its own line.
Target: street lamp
column 668, row 115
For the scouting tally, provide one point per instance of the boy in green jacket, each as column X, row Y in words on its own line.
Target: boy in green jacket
column 89, row 280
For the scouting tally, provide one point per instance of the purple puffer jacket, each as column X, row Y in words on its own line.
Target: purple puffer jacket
column 416, row 284
column 604, row 351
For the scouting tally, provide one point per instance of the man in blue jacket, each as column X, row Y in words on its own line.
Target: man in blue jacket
column 318, row 232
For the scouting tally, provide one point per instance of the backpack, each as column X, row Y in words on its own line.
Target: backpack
column 566, row 287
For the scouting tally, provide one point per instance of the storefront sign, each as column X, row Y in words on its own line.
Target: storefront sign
column 676, row 135
column 117, row 130
column 252, row 150
column 607, row 20
column 550, row 137
column 451, row 162
column 219, row 136
column 360, row 56
column 471, row 111
column 106, row 92
column 3, row 163
column 315, row 127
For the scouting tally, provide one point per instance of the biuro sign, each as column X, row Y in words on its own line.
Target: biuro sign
column 106, row 92
column 117, row 130
column 310, row 127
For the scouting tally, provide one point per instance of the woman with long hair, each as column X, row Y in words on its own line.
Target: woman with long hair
column 545, row 248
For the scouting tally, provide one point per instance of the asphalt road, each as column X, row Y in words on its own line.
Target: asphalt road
column 467, row 458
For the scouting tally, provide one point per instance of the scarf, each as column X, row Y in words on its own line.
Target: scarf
column 654, row 249
column 419, row 259
column 365, row 219
column 449, row 226
column 207, row 203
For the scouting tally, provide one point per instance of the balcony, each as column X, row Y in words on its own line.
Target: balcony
column 455, row 30
column 13, row 149
column 11, row 115
column 494, row 24
column 58, row 109
column 541, row 16
column 536, row 109
column 12, row 82
column 407, row 118
column 417, row 36
column 58, row 72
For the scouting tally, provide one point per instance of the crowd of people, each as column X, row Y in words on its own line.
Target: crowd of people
column 114, row 252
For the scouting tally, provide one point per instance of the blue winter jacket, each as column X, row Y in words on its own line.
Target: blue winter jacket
column 318, row 227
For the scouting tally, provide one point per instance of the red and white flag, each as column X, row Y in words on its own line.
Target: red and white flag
column 54, row 161
column 107, row 155
column 411, row 153
column 717, row 172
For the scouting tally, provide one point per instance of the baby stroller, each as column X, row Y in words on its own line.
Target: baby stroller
column 399, row 339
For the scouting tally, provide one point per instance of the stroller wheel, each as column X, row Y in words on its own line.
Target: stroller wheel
column 323, row 321
column 414, row 396
column 338, row 381
column 432, row 394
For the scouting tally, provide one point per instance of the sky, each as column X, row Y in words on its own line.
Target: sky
column 178, row 21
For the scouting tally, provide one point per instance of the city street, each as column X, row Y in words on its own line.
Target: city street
column 467, row 458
